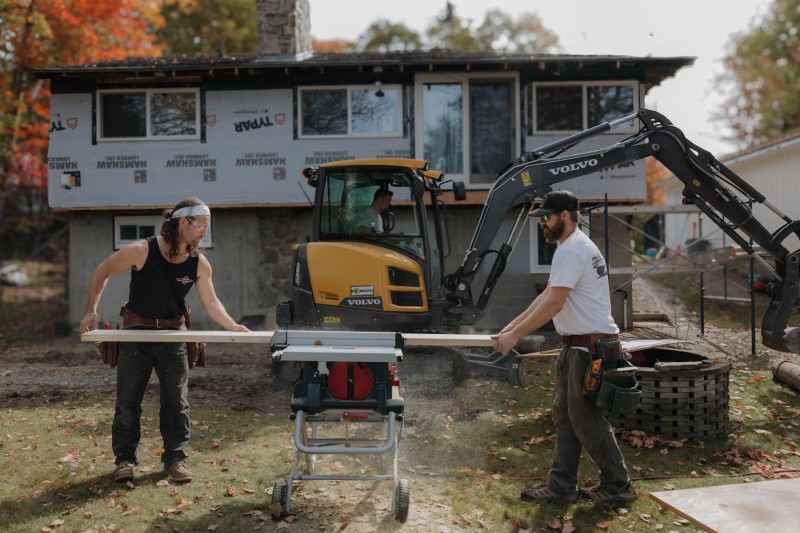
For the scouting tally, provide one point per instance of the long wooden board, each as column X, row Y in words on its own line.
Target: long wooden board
column 263, row 337
column 165, row 335
column 738, row 508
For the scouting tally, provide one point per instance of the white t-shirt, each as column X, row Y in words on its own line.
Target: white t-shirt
column 579, row 265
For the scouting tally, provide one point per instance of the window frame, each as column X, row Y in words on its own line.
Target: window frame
column 465, row 79
column 535, row 266
column 398, row 133
column 155, row 221
column 148, row 92
column 535, row 130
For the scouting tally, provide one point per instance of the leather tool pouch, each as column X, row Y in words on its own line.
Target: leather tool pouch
column 196, row 354
column 109, row 352
column 610, row 351
column 619, row 392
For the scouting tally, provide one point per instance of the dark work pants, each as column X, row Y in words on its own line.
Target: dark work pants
column 580, row 425
column 134, row 367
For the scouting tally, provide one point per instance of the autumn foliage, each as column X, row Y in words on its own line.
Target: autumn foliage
column 40, row 33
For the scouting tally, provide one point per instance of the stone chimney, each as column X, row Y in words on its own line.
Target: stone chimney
column 284, row 29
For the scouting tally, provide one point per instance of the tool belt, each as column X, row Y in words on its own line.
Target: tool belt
column 132, row 320
column 610, row 380
column 109, row 350
column 587, row 341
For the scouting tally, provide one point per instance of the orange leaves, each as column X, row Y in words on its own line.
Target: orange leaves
column 640, row 439
column 58, row 32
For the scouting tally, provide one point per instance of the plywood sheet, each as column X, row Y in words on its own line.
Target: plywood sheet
column 634, row 345
column 738, row 508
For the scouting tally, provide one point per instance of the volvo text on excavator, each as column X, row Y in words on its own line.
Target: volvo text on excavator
column 391, row 277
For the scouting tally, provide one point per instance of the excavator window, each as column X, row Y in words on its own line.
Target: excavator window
column 355, row 207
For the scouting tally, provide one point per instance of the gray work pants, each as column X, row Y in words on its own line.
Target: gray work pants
column 137, row 360
column 580, row 424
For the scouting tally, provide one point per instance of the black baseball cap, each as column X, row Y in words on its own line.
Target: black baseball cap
column 556, row 202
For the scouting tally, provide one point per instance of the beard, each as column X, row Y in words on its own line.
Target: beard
column 552, row 235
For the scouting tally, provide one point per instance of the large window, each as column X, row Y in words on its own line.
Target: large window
column 368, row 111
column 569, row 107
column 129, row 114
column 467, row 127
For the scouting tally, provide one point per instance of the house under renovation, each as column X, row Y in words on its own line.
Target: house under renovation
column 129, row 138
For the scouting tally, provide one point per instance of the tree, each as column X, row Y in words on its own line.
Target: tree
column 763, row 67
column 210, row 27
column 37, row 33
column 525, row 34
column 385, row 36
column 498, row 32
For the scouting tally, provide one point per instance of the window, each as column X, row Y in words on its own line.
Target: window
column 347, row 208
column 146, row 114
column 565, row 107
column 491, row 131
column 128, row 229
column 468, row 126
column 543, row 251
column 351, row 111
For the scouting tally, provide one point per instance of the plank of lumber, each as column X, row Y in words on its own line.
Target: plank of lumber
column 436, row 339
column 737, row 508
column 169, row 335
column 263, row 337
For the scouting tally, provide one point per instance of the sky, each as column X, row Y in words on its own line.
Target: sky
column 680, row 28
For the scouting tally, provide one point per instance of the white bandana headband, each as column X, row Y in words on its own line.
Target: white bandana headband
column 192, row 211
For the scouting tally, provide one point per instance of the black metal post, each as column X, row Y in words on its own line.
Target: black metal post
column 752, row 299
column 702, row 306
column 605, row 221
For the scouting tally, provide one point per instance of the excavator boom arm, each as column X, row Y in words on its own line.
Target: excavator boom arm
column 717, row 191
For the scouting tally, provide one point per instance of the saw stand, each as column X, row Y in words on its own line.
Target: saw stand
column 347, row 378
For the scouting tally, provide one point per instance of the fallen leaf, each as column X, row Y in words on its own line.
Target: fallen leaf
column 603, row 524
column 555, row 523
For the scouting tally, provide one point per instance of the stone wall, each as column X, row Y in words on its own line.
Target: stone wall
column 280, row 229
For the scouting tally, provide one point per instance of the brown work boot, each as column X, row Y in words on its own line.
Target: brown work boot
column 178, row 472
column 124, row 471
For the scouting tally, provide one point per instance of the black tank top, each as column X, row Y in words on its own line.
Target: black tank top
column 158, row 288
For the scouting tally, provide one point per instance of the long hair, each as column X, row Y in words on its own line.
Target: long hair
column 169, row 228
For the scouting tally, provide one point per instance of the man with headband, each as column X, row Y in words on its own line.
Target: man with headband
column 163, row 269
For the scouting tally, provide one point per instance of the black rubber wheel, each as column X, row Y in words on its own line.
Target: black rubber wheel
column 279, row 492
column 403, row 500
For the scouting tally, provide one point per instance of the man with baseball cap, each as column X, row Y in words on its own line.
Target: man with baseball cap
column 578, row 302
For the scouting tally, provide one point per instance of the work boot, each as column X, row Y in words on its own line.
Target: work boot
column 544, row 494
column 598, row 495
column 124, row 471
column 178, row 472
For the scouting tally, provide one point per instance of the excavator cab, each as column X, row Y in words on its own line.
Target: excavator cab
column 377, row 248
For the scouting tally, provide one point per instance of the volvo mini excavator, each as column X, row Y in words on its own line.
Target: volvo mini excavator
column 390, row 276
